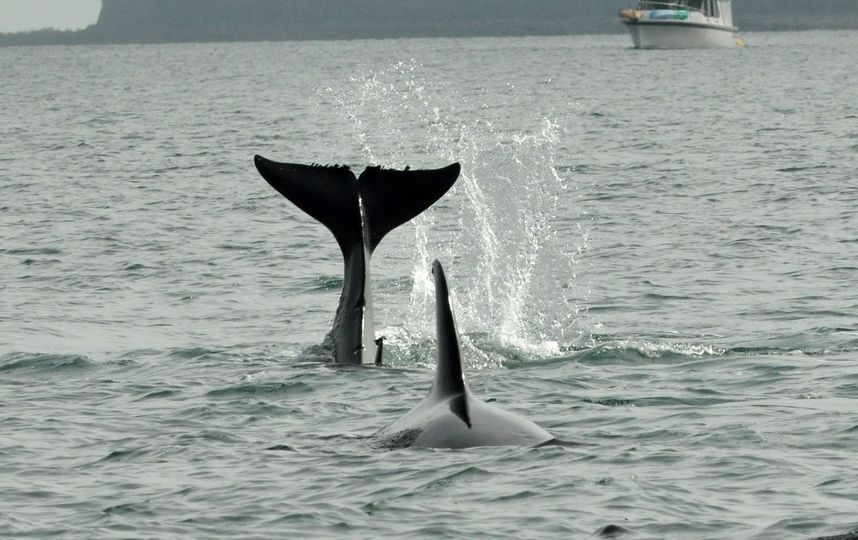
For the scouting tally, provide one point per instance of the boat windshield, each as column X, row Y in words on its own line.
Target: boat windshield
column 707, row 7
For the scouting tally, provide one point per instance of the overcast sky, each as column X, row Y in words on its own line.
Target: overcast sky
column 23, row 15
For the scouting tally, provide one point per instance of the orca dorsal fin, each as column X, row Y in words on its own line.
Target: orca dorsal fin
column 391, row 197
column 449, row 376
column 327, row 193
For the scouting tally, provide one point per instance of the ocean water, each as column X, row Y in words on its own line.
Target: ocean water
column 652, row 254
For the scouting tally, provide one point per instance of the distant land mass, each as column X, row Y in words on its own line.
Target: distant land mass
column 176, row 21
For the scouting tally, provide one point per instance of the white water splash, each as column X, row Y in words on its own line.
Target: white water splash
column 511, row 268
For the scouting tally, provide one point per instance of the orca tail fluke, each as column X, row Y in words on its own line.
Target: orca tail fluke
column 449, row 375
column 333, row 196
column 391, row 197
column 327, row 193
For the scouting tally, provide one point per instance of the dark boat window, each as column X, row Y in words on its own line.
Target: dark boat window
column 711, row 8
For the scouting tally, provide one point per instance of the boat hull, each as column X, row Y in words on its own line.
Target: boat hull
column 679, row 35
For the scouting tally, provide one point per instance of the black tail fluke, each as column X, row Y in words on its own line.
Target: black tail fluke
column 393, row 197
column 328, row 194
column 334, row 196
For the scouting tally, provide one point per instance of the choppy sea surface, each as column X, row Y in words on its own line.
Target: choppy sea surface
column 652, row 254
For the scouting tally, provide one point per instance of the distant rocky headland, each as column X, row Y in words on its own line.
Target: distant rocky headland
column 175, row 21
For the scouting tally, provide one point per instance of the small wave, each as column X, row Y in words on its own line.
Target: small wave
column 193, row 353
column 798, row 168
column 469, row 474
column 810, row 342
column 158, row 394
column 791, row 351
column 236, row 247
column 658, row 401
column 282, row 448
column 133, row 267
column 129, row 508
column 643, row 351
column 43, row 363
column 32, row 251
column 661, row 296
column 326, row 283
column 208, row 436
column 39, row 494
column 122, row 455
column 282, row 388
column 31, row 262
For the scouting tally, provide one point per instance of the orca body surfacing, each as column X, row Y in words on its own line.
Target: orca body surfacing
column 450, row 416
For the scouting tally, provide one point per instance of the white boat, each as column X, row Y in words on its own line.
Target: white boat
column 682, row 24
